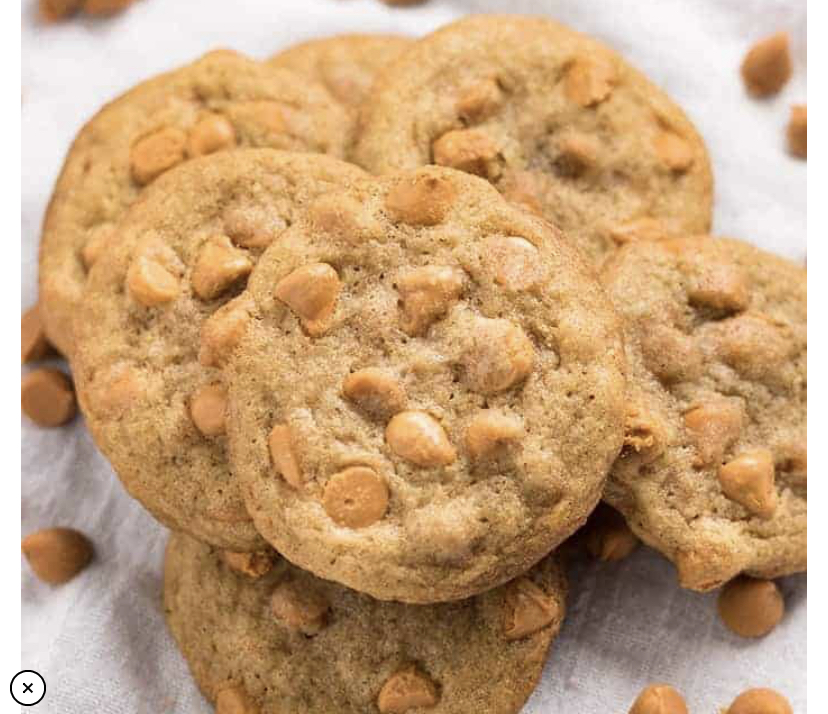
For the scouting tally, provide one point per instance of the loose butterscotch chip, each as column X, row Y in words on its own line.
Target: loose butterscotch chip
column 514, row 262
column 53, row 10
column 639, row 229
column 105, row 7
column 760, row 701
column 235, row 700
column 798, row 131
column 749, row 480
column 56, row 555
column 499, row 357
column 253, row 565
column 311, row 292
column 375, row 392
column 674, row 152
column 767, row 66
column 421, row 200
column 469, row 150
column 490, row 431
column 426, row 294
column 714, row 427
column 223, row 331
column 406, row 690
column 283, row 456
column 47, row 397
column 218, row 267
column 299, row 609
column 207, row 408
column 150, row 283
column 96, row 243
column 589, row 81
column 751, row 608
column 418, row 437
column 211, row 134
column 528, row 609
column 356, row 497
column 659, row 699
column 480, row 100
column 33, row 343
column 156, row 153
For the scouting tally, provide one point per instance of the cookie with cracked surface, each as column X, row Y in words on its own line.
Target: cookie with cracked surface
column 154, row 404
column 428, row 392
column 222, row 101
column 714, row 469
column 265, row 644
column 555, row 120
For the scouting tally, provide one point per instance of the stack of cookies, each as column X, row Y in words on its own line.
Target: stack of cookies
column 375, row 325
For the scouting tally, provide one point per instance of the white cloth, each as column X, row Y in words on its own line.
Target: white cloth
column 100, row 641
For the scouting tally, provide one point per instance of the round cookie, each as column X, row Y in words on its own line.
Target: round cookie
column 345, row 64
column 428, row 390
column 183, row 250
column 287, row 642
column 555, row 120
column 221, row 101
column 714, row 469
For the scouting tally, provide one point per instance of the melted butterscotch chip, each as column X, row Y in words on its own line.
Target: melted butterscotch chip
column 514, row 262
column 528, row 609
column 675, row 153
column 491, row 431
column 713, row 427
column 420, row 200
column 499, row 357
column 426, row 295
column 356, row 497
column 223, row 331
column 311, row 292
column 253, row 565
column 480, row 101
column 156, row 153
column 720, row 286
column 283, row 456
column 207, row 408
column 252, row 225
column 767, row 66
column 753, row 344
column 265, row 118
column 218, row 267
column 644, row 434
column 577, row 151
column 375, row 392
column 211, row 134
column 150, row 283
column 749, row 481
column 345, row 219
column 418, row 437
column 299, row 608
column 407, row 690
column 469, row 150
column 589, row 81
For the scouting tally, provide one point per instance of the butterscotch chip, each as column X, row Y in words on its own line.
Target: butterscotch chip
column 760, row 701
column 311, row 292
column 589, row 81
column 212, row 133
column 423, row 199
column 356, row 497
column 644, row 434
column 405, row 690
column 480, row 101
column 253, row 565
column 578, row 152
column 223, row 331
column 637, row 230
column 250, row 225
column 207, row 409
column 500, row 356
column 674, row 151
column 749, row 480
column 419, row 438
column 218, row 267
column 105, row 7
column 528, row 609
column 717, row 349
column 150, row 283
column 798, row 131
column 514, row 263
column 659, row 699
column 751, row 608
column 114, row 391
column 34, row 345
column 156, row 153
column 47, row 397
column 235, row 700
column 53, row 10
column 427, row 294
column 490, row 431
column 609, row 538
column 283, row 456
column 375, row 392
column 298, row 609
column 344, row 219
column 767, row 66
column 56, row 555
column 469, row 150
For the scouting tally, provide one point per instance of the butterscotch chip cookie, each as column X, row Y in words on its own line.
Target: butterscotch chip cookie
column 291, row 643
column 714, row 469
column 555, row 120
column 184, row 251
column 428, row 392
column 222, row 101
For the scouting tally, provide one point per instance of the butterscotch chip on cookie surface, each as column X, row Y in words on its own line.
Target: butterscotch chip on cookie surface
column 220, row 102
column 409, row 417
column 714, row 469
column 555, row 120
column 272, row 640
column 146, row 372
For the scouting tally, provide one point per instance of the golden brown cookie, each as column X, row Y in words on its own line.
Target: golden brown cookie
column 289, row 643
column 555, row 120
column 222, row 101
column 428, row 391
column 714, row 469
column 184, row 250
